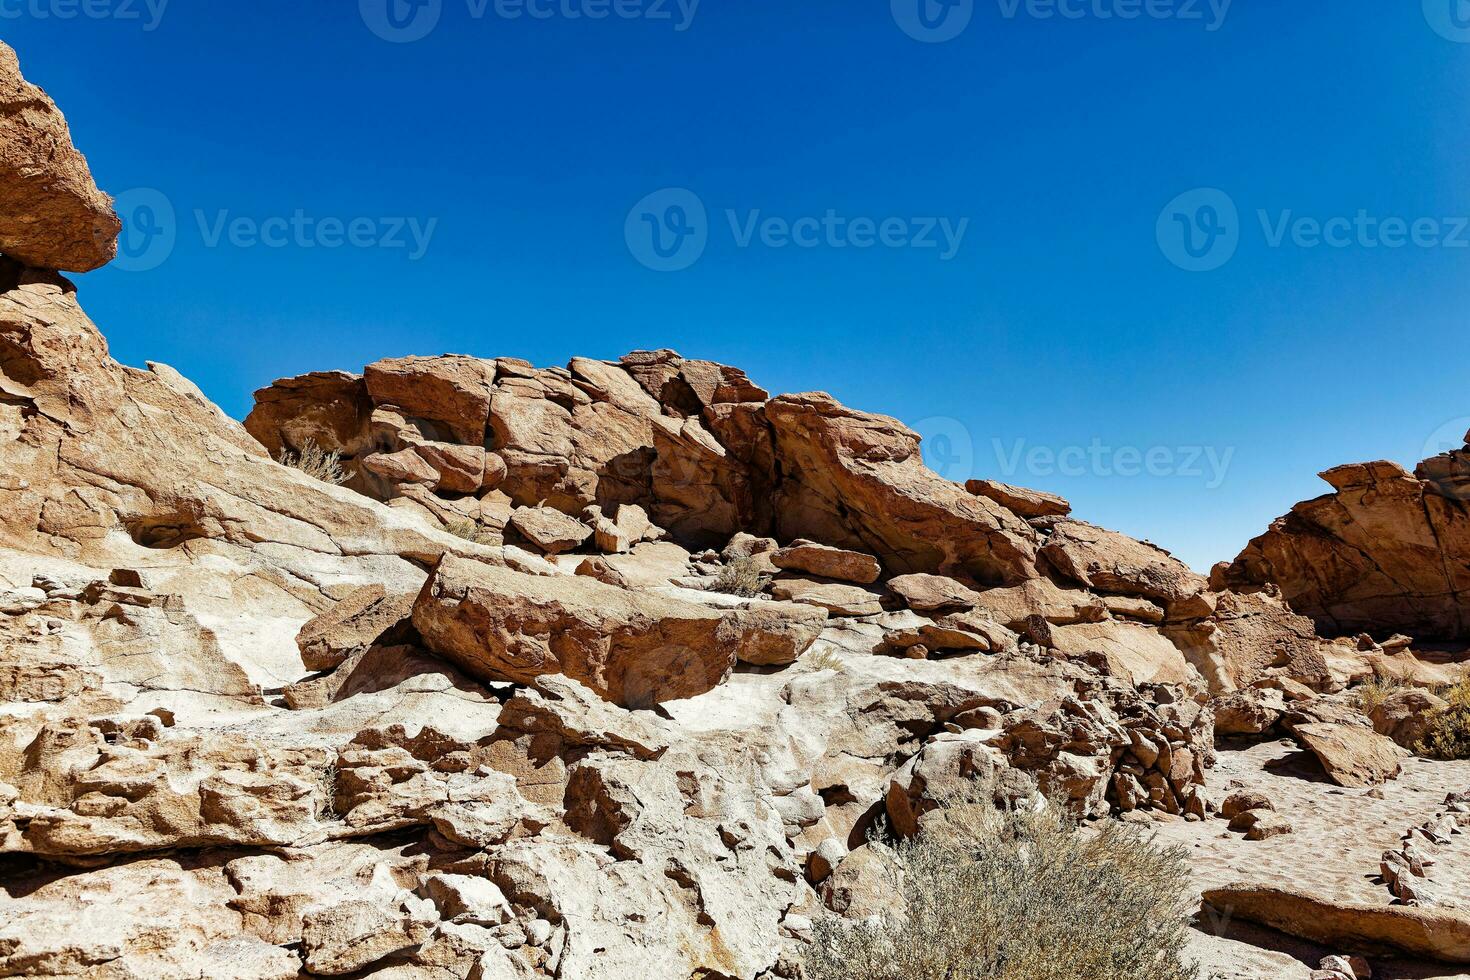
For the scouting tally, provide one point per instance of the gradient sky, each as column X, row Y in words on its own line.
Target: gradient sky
column 1060, row 346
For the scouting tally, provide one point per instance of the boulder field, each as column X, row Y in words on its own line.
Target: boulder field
column 631, row 668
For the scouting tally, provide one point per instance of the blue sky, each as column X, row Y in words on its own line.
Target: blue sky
column 1055, row 336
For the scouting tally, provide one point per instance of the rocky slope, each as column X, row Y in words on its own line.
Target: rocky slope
column 608, row 668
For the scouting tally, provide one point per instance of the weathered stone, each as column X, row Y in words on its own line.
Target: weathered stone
column 836, row 598
column 1113, row 562
column 1385, row 552
column 635, row 649
column 932, row 593
column 1019, row 500
column 1352, row 755
column 52, row 216
column 550, row 530
column 825, row 562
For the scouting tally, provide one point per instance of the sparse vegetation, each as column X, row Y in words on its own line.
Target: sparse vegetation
column 1371, row 694
column 471, row 531
column 742, row 577
column 1013, row 895
column 1448, row 735
column 316, row 463
column 825, row 660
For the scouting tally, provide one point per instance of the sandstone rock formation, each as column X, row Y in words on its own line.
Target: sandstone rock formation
column 1387, row 552
column 623, row 668
column 52, row 216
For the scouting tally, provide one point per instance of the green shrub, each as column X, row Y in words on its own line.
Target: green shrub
column 742, row 577
column 1447, row 737
column 315, row 463
column 1020, row 896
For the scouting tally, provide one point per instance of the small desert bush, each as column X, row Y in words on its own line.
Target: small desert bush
column 1016, row 895
column 1448, row 735
column 1372, row 693
column 471, row 531
column 316, row 463
column 825, row 660
column 742, row 577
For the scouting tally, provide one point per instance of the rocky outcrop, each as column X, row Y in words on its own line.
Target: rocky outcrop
column 1114, row 563
column 1387, row 552
column 858, row 481
column 286, row 728
column 635, row 649
column 52, row 216
column 1435, row 934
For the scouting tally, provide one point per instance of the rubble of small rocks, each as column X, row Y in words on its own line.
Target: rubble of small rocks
column 623, row 667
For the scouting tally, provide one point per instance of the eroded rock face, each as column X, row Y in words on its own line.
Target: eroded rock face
column 1387, row 552
column 246, row 733
column 635, row 649
column 857, row 480
column 52, row 216
column 1114, row 563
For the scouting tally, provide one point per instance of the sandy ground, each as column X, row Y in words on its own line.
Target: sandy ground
column 1339, row 836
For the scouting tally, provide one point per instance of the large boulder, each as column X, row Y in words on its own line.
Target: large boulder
column 52, row 216
column 1352, row 755
column 1111, row 562
column 636, row 649
column 858, row 481
column 1388, row 551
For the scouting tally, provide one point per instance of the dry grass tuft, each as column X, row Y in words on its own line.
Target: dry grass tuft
column 315, row 463
column 1372, row 693
column 1020, row 896
column 742, row 577
column 825, row 660
column 471, row 531
column 1448, row 736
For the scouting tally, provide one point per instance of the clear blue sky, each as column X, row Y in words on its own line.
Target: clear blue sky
column 1058, row 322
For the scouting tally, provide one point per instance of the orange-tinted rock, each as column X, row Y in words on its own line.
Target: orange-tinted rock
column 52, row 216
column 1388, row 551
column 634, row 648
column 855, row 480
column 1113, row 562
column 451, row 390
column 328, row 408
column 827, row 562
column 1027, row 503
